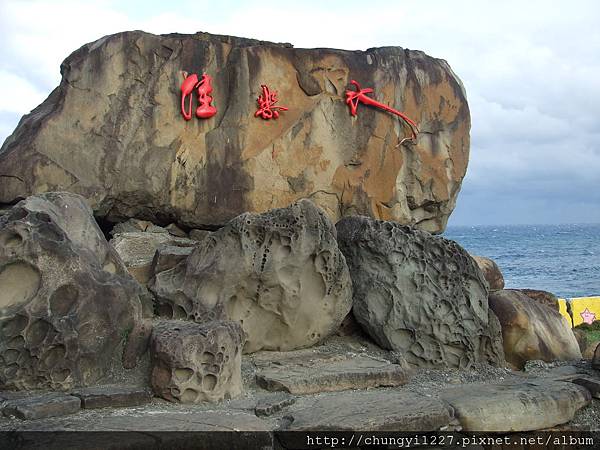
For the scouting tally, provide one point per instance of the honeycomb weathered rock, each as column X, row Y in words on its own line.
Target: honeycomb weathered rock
column 280, row 273
column 419, row 294
column 66, row 300
column 193, row 362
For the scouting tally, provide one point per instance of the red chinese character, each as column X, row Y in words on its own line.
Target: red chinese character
column 266, row 110
column 205, row 109
column 353, row 98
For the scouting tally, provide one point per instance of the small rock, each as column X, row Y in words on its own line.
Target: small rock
column 199, row 235
column 193, row 363
column 137, row 250
column 273, row 404
column 491, row 272
column 130, row 226
column 112, row 396
column 176, row 231
column 168, row 256
column 42, row 406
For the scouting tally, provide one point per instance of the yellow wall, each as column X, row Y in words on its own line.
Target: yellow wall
column 580, row 304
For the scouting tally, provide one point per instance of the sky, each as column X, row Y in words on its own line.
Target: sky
column 531, row 71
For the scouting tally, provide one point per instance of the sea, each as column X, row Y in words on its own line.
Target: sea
column 562, row 259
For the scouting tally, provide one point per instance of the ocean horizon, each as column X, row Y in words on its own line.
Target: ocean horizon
column 560, row 258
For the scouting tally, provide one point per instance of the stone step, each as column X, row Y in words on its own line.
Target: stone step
column 304, row 375
column 41, row 406
column 372, row 410
column 112, row 396
column 532, row 405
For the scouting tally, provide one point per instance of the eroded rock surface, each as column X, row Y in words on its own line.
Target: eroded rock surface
column 419, row 294
column 112, row 131
column 193, row 363
column 279, row 273
column 66, row 300
column 532, row 330
column 534, row 405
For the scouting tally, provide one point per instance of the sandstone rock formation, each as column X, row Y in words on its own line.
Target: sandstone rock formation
column 491, row 272
column 279, row 273
column 534, row 405
column 112, row 131
column 137, row 250
column 419, row 294
column 66, row 301
column 371, row 410
column 193, row 363
column 532, row 330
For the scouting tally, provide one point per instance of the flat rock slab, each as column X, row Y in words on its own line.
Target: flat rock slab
column 373, row 410
column 41, row 406
column 112, row 396
column 146, row 429
column 304, row 375
column 533, row 405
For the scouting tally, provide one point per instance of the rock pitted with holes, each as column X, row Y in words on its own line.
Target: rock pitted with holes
column 419, row 294
column 279, row 273
column 193, row 363
column 66, row 300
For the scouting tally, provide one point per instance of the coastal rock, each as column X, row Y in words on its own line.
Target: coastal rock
column 596, row 358
column 135, row 226
column 168, row 256
column 66, row 301
column 112, row 131
column 370, row 410
column 308, row 374
column 534, row 405
column 112, row 396
column 137, row 250
column 419, row 294
column 193, row 363
column 41, row 406
column 279, row 273
column 542, row 297
column 491, row 272
column 532, row 330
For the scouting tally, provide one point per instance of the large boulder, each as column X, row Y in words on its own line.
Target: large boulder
column 66, row 301
column 419, row 294
column 279, row 273
column 112, row 131
column 491, row 272
column 531, row 330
